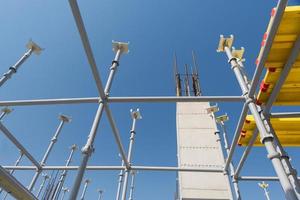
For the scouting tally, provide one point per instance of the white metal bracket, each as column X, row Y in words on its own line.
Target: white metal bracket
column 123, row 46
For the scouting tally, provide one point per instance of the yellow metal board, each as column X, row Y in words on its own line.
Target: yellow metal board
column 286, row 129
column 288, row 31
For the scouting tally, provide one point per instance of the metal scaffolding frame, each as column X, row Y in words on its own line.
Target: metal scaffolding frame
column 286, row 175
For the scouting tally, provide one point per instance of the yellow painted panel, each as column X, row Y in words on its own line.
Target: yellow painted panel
column 286, row 129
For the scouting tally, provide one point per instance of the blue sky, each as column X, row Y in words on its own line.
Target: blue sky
column 155, row 29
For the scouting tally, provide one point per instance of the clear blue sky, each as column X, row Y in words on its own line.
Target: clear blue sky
column 155, row 30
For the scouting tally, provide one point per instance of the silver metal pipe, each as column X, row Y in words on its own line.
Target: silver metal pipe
column 63, row 120
column 285, row 114
column 121, row 174
column 19, row 145
column 231, row 167
column 275, row 21
column 217, row 133
column 65, row 190
column 13, row 69
column 259, row 178
column 236, row 135
column 62, row 178
column 42, row 185
column 246, row 153
column 265, row 135
column 87, row 181
column 87, row 47
column 132, row 138
column 158, row 99
column 133, row 174
column 87, row 150
column 139, row 168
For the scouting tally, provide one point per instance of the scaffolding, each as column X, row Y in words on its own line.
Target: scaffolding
column 275, row 130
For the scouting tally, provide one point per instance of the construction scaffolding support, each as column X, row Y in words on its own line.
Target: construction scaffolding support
column 135, row 115
column 32, row 47
column 63, row 119
column 221, row 121
column 264, row 129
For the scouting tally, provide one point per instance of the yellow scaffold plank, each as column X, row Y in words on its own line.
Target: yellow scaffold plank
column 286, row 36
column 286, row 129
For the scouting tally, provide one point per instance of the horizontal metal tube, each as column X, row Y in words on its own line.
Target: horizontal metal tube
column 259, row 178
column 139, row 168
column 159, row 99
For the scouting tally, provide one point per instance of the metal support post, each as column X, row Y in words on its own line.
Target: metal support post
column 132, row 184
column 121, row 175
column 32, row 47
column 43, row 184
column 135, row 116
column 211, row 110
column 221, row 120
column 264, row 130
column 65, row 190
column 64, row 173
column 100, row 197
column 265, row 186
column 88, row 149
column 86, row 183
column 63, row 119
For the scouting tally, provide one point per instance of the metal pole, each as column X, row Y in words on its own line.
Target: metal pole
column 158, row 99
column 63, row 120
column 5, row 111
column 43, row 184
column 86, row 182
column 265, row 186
column 221, row 120
column 64, row 173
column 32, row 47
column 65, row 189
column 135, row 116
column 121, row 174
column 100, row 197
column 88, row 149
column 133, row 173
column 263, row 54
column 211, row 111
column 266, row 137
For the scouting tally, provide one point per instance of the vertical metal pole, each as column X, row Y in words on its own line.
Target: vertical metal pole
column 231, row 167
column 262, row 125
column 135, row 116
column 100, row 197
column 63, row 119
column 32, row 47
column 121, row 175
column 88, row 149
column 212, row 111
column 43, row 184
column 133, row 173
column 64, row 173
column 265, row 186
column 64, row 193
column 87, row 181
